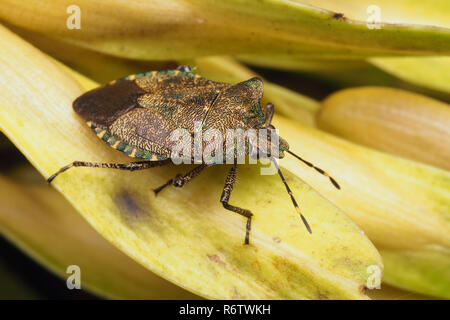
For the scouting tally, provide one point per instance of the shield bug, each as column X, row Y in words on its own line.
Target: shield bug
column 137, row 114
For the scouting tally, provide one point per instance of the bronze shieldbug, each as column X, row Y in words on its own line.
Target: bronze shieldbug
column 137, row 114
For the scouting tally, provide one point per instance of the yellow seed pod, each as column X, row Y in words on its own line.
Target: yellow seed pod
column 391, row 120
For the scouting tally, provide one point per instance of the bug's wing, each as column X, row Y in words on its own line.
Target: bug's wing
column 146, row 129
column 181, row 98
column 104, row 105
column 142, row 111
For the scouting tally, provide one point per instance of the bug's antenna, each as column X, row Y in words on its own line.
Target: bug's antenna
column 292, row 196
column 323, row 172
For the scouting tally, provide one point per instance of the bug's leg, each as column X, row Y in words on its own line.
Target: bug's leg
column 180, row 180
column 184, row 68
column 225, row 197
column 268, row 113
column 122, row 166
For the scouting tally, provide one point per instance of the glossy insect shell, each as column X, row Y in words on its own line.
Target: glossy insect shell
column 138, row 113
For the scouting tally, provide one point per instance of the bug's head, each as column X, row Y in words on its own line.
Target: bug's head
column 272, row 145
column 274, row 141
column 267, row 143
column 284, row 146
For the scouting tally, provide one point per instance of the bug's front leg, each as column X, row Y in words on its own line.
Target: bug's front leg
column 226, row 193
column 180, row 180
column 132, row 166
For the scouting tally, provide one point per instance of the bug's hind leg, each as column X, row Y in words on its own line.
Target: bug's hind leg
column 226, row 193
column 132, row 166
column 180, row 180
